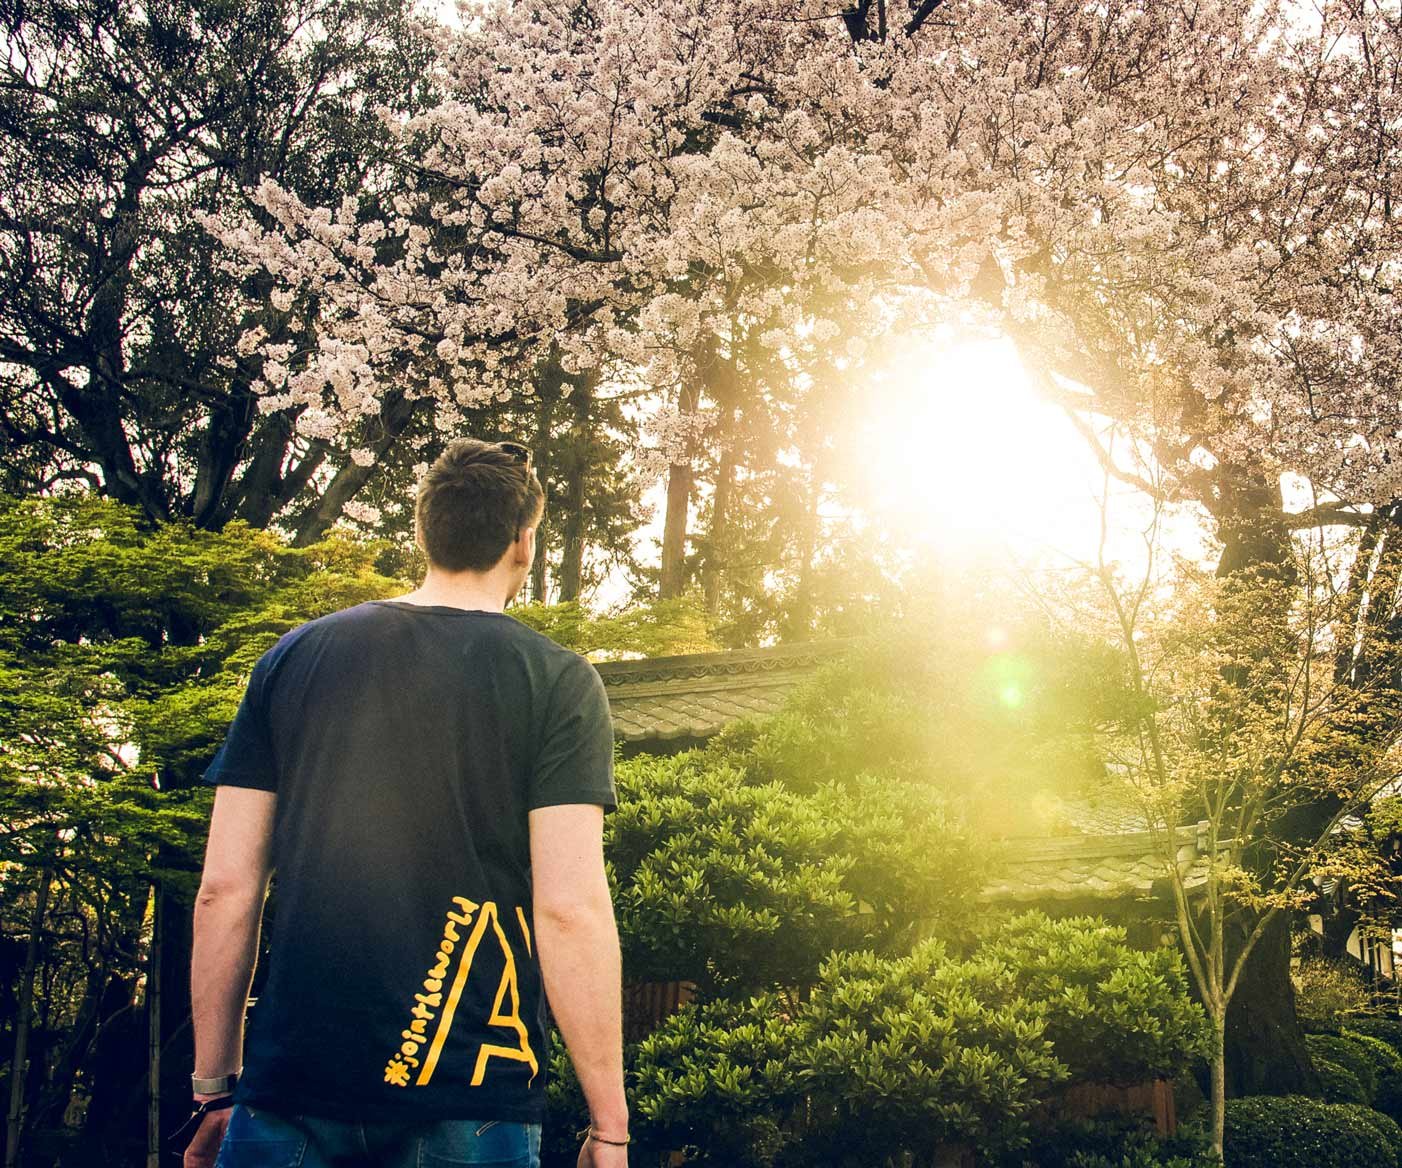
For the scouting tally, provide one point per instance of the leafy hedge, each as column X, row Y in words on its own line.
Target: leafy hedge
column 1389, row 1029
column 1118, row 1142
column 1339, row 1084
column 918, row 1050
column 889, row 1054
column 1385, row 1059
column 1351, row 1055
column 743, row 887
column 1294, row 1131
column 1115, row 1013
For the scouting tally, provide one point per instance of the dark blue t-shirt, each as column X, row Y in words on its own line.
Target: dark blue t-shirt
column 406, row 745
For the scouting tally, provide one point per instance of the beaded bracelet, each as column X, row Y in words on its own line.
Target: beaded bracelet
column 588, row 1134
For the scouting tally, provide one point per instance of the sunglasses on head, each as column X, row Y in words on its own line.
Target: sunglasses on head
column 520, row 453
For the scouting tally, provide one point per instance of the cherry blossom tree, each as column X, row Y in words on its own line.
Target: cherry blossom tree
column 121, row 368
column 1183, row 215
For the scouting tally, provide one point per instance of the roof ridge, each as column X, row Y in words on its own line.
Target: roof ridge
column 792, row 655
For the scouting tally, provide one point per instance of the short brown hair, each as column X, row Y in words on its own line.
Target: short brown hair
column 473, row 502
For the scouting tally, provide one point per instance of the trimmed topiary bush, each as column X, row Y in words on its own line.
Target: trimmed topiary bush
column 1385, row 1059
column 1114, row 1013
column 1339, row 1084
column 1389, row 1097
column 1386, row 1126
column 914, row 1051
column 1348, row 1053
column 1294, row 1131
column 1384, row 1026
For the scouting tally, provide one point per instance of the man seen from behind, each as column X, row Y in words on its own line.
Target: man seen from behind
column 427, row 777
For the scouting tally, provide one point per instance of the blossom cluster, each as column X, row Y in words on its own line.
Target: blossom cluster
column 1185, row 209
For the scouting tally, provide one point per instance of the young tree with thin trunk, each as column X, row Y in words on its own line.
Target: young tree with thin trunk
column 1240, row 721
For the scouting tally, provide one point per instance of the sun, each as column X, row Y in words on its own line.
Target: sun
column 962, row 452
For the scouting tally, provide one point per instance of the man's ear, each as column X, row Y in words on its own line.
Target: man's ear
column 525, row 543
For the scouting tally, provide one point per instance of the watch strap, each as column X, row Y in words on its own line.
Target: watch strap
column 213, row 1086
column 182, row 1135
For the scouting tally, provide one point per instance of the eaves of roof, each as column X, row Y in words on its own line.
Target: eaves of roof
column 1124, row 865
column 694, row 695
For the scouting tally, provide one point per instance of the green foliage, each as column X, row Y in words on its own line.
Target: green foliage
column 1384, row 1125
column 1294, row 1131
column 898, row 1052
column 892, row 1054
column 123, row 655
column 1326, row 992
column 1387, row 1027
column 654, row 629
column 1339, row 1084
column 1389, row 1097
column 1114, row 1013
column 1385, row 1058
column 741, row 886
column 1353, row 1057
column 916, row 1050
column 993, row 713
column 721, row 1081
column 1116, row 1142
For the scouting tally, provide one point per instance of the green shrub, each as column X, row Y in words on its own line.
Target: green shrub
column 1385, row 1125
column 1114, row 1013
column 1117, row 1142
column 1347, row 1053
column 1385, row 1059
column 1293, row 1131
column 719, row 1080
column 908, row 1052
column 1387, row 1027
column 1389, row 1097
column 745, row 888
column 1325, row 991
column 1339, row 1084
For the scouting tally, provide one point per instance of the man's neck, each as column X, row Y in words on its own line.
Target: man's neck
column 477, row 593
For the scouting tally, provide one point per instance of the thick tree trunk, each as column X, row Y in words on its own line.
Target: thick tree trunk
column 396, row 413
column 680, row 478
column 720, row 377
column 574, row 529
column 549, row 381
column 713, row 568
column 14, row 1120
column 1265, row 1047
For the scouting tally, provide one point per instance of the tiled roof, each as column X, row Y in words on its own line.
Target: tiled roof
column 1103, row 851
column 1092, row 867
column 693, row 695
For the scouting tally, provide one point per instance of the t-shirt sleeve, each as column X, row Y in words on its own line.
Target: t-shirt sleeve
column 575, row 761
column 246, row 758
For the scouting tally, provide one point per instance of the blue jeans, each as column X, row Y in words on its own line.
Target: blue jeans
column 259, row 1138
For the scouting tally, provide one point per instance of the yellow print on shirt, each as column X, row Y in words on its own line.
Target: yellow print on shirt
column 432, row 1005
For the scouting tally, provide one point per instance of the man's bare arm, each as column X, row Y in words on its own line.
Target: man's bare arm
column 228, row 917
column 577, row 943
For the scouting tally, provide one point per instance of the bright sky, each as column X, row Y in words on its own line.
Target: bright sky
column 976, row 463
column 974, row 466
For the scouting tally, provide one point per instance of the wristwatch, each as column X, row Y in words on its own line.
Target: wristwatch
column 215, row 1086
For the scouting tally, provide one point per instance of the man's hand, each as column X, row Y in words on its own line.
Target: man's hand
column 202, row 1150
column 596, row 1155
